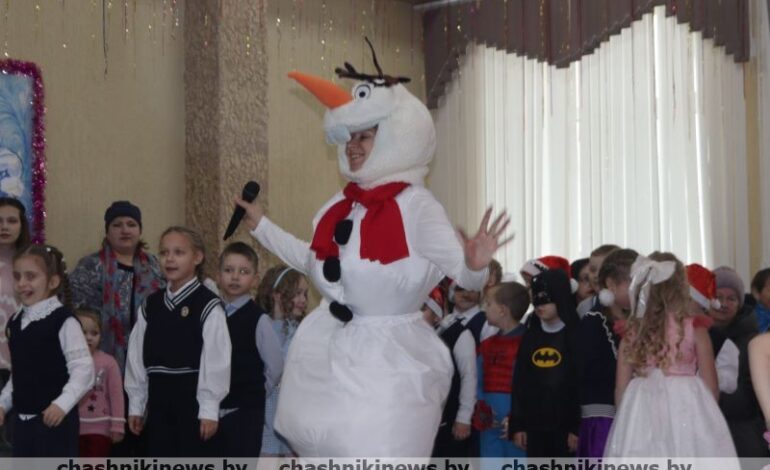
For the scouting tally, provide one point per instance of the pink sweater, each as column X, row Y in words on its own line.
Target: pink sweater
column 102, row 408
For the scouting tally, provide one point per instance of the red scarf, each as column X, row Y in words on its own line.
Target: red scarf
column 382, row 229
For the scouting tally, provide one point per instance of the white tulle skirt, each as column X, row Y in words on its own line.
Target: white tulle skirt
column 669, row 416
column 374, row 387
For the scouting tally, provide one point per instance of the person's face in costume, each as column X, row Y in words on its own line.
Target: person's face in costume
column 547, row 312
column 359, row 147
column 729, row 303
column 594, row 264
column 585, row 288
column 466, row 299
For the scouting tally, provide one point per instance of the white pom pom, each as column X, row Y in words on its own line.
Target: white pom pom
column 573, row 284
column 715, row 304
column 606, row 297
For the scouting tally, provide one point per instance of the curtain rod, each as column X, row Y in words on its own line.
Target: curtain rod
column 437, row 4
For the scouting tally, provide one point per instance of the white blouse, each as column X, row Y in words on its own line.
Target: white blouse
column 80, row 365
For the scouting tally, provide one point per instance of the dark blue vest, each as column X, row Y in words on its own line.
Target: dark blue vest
column 247, row 376
column 39, row 367
column 173, row 340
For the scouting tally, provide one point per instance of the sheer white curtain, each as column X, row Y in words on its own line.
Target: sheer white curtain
column 761, row 52
column 641, row 143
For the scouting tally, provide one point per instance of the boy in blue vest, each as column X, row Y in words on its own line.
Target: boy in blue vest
column 257, row 361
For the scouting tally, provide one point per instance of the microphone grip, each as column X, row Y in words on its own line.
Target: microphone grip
column 249, row 193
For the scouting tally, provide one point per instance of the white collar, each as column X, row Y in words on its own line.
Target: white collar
column 236, row 304
column 552, row 328
column 40, row 310
column 172, row 299
column 467, row 315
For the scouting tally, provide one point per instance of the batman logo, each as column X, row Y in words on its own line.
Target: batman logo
column 546, row 357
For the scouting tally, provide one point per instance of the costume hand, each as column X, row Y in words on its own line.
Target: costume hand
column 461, row 431
column 572, row 442
column 116, row 437
column 208, row 429
column 53, row 416
column 481, row 247
column 2, row 415
column 135, row 424
column 254, row 212
column 520, row 439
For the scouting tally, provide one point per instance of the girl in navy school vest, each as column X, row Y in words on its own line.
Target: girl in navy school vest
column 52, row 367
column 179, row 355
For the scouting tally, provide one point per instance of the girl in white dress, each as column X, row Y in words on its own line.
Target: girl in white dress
column 666, row 382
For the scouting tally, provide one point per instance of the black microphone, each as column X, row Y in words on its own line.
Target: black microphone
column 249, row 193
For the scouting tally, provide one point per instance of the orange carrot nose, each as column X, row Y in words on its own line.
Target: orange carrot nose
column 331, row 95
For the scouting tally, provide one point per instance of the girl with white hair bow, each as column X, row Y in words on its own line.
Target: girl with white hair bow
column 666, row 384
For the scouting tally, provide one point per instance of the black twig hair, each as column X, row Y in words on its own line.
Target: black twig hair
column 377, row 80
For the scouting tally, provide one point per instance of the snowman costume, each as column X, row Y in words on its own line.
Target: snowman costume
column 365, row 375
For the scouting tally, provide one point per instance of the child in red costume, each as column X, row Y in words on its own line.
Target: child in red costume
column 504, row 306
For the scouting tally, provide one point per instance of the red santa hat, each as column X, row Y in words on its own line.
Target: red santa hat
column 703, row 286
column 435, row 301
column 534, row 267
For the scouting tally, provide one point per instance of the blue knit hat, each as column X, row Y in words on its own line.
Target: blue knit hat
column 122, row 209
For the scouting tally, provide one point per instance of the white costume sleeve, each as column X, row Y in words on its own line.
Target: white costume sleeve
column 436, row 240
column 136, row 375
column 727, row 367
column 80, row 365
column 214, row 372
column 291, row 250
column 464, row 353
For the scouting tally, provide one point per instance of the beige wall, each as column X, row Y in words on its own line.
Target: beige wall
column 303, row 170
column 118, row 135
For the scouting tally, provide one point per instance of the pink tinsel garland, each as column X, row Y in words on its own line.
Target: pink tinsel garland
column 17, row 67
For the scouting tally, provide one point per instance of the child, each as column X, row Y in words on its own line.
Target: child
column 52, row 368
column 102, row 413
column 595, row 261
column 760, row 290
column 579, row 272
column 504, row 305
column 665, row 409
column 14, row 236
column 283, row 293
column 257, row 359
column 738, row 322
column 467, row 310
column 453, row 438
column 495, row 276
column 534, row 267
column 545, row 414
column 178, row 367
column 433, row 310
column 598, row 353
column 702, row 299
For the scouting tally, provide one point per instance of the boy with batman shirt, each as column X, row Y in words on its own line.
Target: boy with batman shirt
column 545, row 411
